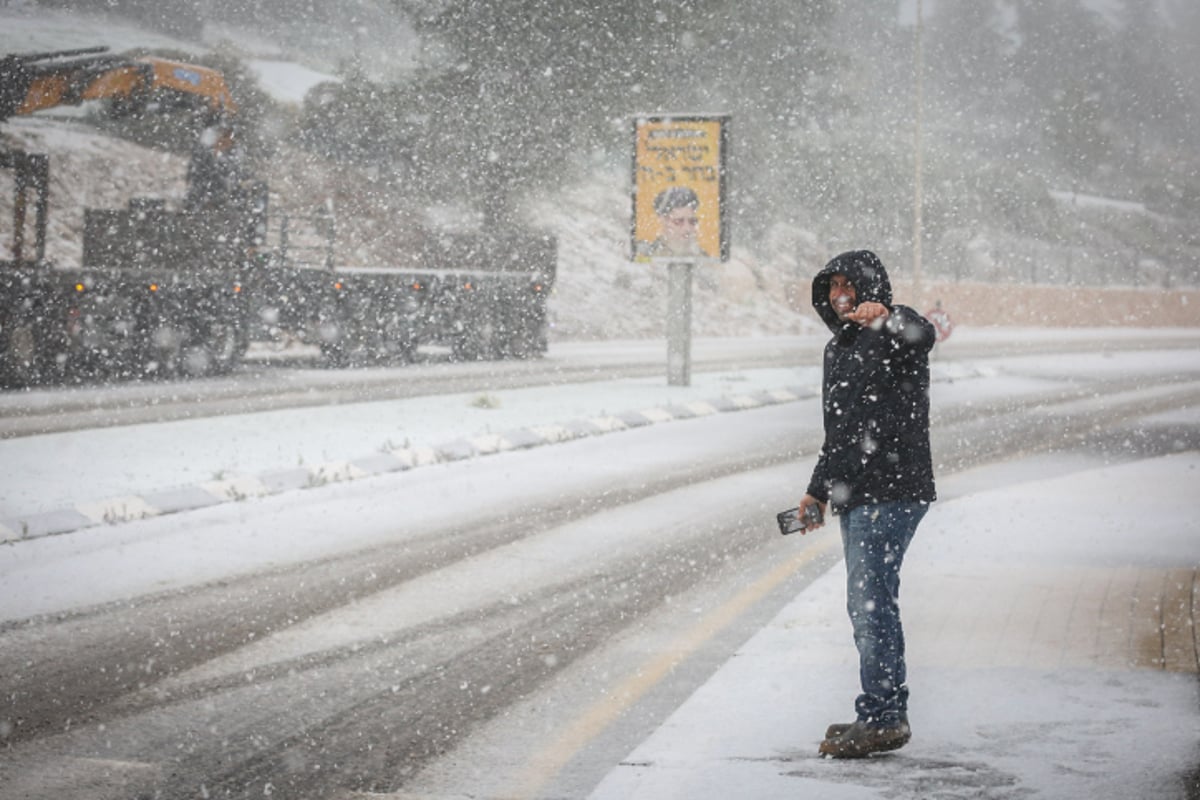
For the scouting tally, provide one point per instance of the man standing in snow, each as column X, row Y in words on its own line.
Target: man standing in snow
column 876, row 471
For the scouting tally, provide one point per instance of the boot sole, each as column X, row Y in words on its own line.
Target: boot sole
column 837, row 729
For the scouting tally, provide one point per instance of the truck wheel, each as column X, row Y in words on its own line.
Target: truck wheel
column 213, row 349
column 345, row 342
column 406, row 351
column 393, row 341
column 348, row 351
column 332, row 354
column 522, row 343
column 527, row 337
column 391, row 351
column 166, row 351
column 329, row 334
column 477, row 341
column 195, row 360
column 226, row 345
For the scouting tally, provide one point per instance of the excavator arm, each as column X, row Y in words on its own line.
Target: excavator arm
column 38, row 81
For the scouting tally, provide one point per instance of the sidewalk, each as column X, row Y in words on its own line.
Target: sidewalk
column 1052, row 653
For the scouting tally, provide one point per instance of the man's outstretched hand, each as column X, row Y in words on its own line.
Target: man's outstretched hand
column 868, row 314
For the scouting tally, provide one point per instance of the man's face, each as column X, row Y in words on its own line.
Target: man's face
column 842, row 296
column 680, row 225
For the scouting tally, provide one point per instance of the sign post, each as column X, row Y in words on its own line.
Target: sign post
column 679, row 323
column 678, row 214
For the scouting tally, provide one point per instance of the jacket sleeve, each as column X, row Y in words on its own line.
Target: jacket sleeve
column 909, row 331
column 818, row 484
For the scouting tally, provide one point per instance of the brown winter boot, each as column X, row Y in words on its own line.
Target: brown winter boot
column 861, row 739
column 837, row 729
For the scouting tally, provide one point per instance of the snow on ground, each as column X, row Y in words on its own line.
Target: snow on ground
column 1001, row 707
column 1000, row 711
column 40, row 473
column 43, row 472
column 982, row 731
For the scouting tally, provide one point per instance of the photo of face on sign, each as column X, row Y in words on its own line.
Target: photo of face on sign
column 678, row 212
column 678, row 182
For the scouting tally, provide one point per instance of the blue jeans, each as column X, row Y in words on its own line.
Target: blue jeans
column 875, row 538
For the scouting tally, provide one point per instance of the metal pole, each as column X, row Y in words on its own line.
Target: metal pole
column 679, row 323
column 919, row 69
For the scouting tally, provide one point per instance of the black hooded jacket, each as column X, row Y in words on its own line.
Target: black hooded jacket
column 875, row 395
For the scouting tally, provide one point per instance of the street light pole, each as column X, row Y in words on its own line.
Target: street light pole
column 919, row 69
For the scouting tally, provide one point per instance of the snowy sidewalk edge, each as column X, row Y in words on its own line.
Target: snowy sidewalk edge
column 236, row 488
column 242, row 487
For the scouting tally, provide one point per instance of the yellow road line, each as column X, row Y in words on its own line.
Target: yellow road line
column 591, row 723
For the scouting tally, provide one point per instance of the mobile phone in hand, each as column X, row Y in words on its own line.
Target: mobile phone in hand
column 790, row 521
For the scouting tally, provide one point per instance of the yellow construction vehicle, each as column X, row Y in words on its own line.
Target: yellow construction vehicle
column 37, row 81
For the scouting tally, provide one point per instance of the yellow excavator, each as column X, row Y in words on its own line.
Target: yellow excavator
column 36, row 81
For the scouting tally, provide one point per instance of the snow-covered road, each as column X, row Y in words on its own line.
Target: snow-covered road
column 504, row 625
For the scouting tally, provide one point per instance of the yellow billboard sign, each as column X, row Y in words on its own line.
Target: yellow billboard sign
column 679, row 188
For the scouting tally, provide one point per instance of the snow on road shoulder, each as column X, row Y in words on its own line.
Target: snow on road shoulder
column 41, row 473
